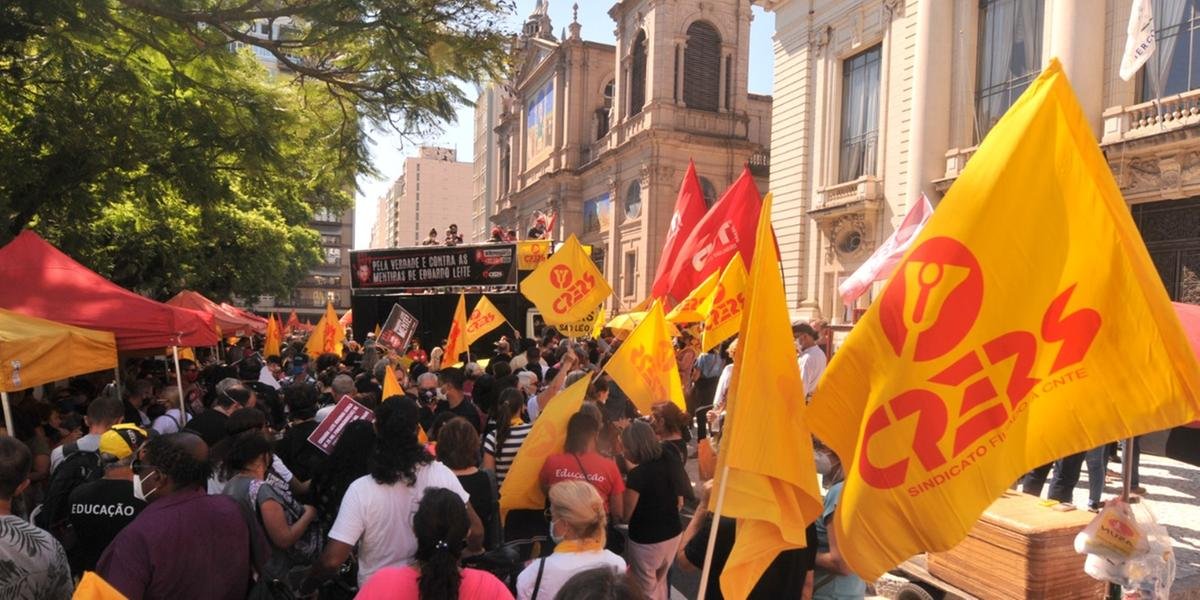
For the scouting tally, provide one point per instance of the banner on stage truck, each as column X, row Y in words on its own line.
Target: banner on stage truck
column 399, row 329
column 433, row 266
column 326, row 435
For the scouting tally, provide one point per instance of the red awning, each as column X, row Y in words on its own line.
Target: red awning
column 231, row 322
column 260, row 323
column 41, row 281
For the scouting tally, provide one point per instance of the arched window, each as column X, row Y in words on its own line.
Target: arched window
column 702, row 67
column 604, row 113
column 637, row 75
column 633, row 199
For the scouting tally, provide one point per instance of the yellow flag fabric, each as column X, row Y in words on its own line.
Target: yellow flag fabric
column 532, row 253
column 94, row 587
column 1026, row 323
column 484, row 318
column 378, row 330
column 456, row 340
column 598, row 325
column 521, row 488
column 688, row 309
column 187, row 353
column 567, row 286
column 644, row 366
column 766, row 454
column 327, row 335
column 274, row 337
column 723, row 308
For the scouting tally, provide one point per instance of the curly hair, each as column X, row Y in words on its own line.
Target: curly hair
column 398, row 453
column 458, row 444
column 244, row 449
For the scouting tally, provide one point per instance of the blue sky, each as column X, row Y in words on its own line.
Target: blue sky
column 389, row 150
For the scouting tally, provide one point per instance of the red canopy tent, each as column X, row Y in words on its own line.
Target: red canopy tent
column 41, row 281
column 260, row 323
column 231, row 322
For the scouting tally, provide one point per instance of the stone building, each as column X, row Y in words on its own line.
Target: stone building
column 601, row 134
column 879, row 101
column 433, row 192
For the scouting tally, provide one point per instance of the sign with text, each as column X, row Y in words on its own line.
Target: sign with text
column 398, row 330
column 326, row 435
column 432, row 266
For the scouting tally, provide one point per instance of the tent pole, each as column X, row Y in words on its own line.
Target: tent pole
column 179, row 382
column 8, row 420
column 117, row 379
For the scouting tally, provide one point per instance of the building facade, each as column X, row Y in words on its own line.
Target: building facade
column 483, row 179
column 433, row 192
column 880, row 101
column 600, row 135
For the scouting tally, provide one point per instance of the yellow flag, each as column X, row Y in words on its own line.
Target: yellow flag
column 532, row 253
column 521, row 488
column 274, row 338
column 1026, row 323
column 723, row 308
column 688, row 309
column 187, row 353
column 94, row 587
column 583, row 327
column 566, row 286
column 456, row 340
column 598, row 325
column 378, row 330
column 391, row 387
column 766, row 454
column 327, row 335
column 644, row 366
column 484, row 318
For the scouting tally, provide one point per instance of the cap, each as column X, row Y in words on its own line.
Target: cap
column 122, row 440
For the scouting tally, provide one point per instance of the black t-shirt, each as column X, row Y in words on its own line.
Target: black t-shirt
column 209, row 425
column 656, row 517
column 616, row 408
column 465, row 409
column 99, row 511
column 300, row 457
column 783, row 579
column 483, row 497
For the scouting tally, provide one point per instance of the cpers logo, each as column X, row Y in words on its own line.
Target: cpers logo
column 724, row 308
column 965, row 408
column 533, row 256
column 651, row 364
column 479, row 320
column 573, row 289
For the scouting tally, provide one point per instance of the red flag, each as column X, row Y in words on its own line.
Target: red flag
column 726, row 229
column 689, row 210
column 881, row 264
column 293, row 322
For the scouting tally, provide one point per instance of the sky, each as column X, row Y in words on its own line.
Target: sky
column 389, row 149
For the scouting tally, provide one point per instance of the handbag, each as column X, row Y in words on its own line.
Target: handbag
column 614, row 538
column 308, row 548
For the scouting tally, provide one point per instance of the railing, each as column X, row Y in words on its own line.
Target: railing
column 1123, row 123
column 760, row 163
column 956, row 160
column 867, row 187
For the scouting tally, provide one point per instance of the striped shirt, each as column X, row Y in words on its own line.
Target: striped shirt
column 504, row 458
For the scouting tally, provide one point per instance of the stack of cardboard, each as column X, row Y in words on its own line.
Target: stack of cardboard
column 1019, row 549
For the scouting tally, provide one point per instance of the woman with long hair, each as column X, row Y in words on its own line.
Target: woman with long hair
column 440, row 525
column 577, row 524
column 580, row 460
column 458, row 448
column 653, row 496
column 376, row 511
column 671, row 425
column 349, row 460
column 500, row 445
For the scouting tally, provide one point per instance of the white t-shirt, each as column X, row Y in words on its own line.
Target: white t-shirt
column 560, row 566
column 379, row 517
column 722, row 388
column 532, row 408
column 812, row 365
column 168, row 422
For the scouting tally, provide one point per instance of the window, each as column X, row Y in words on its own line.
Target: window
column 637, row 75
column 633, row 199
column 1174, row 67
column 331, row 240
column 266, row 28
column 702, row 67
column 333, row 256
column 604, row 113
column 860, row 115
column 710, row 192
column 630, row 273
column 325, row 216
column 1009, row 56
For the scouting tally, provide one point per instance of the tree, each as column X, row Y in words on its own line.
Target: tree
column 135, row 137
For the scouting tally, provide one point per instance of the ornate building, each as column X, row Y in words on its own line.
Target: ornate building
column 601, row 134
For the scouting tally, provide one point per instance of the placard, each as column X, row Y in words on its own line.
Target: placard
column 326, row 435
column 433, row 266
column 398, row 330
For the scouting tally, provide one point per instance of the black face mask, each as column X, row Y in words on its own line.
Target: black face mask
column 428, row 396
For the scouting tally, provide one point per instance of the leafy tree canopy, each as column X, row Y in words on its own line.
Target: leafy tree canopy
column 146, row 139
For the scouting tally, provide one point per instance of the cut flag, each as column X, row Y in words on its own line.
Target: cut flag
column 644, row 366
column 274, row 337
column 766, row 463
column 728, row 227
column 1026, row 323
column 456, row 340
column 484, row 318
column 566, row 286
column 724, row 307
column 327, row 336
column 689, row 209
column 885, row 258
column 521, row 489
column 688, row 309
column 348, row 318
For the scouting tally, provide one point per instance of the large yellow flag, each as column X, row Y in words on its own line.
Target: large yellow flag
column 274, row 337
column 94, row 587
column 456, row 340
column 688, row 309
column 598, row 325
column 723, row 308
column 766, row 457
column 1026, row 323
column 521, row 488
column 644, row 366
column 567, row 286
column 484, row 318
column 327, row 335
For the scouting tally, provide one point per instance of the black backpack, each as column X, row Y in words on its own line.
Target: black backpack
column 77, row 468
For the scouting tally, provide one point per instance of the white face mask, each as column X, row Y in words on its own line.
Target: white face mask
column 139, row 490
column 554, row 536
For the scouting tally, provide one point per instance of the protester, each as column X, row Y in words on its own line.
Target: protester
column 720, row 395
column 456, row 400
column 271, row 372
column 432, row 240
column 349, row 460
column 579, row 460
column 102, row 414
column 653, row 496
column 811, row 358
column 671, row 425
column 452, row 236
column 458, row 448
column 34, row 566
column 599, row 583
column 300, row 456
column 687, row 350
column 101, row 509
column 140, row 395
column 497, row 236
column 193, row 388
column 441, row 526
column 832, row 577
column 185, row 544
column 376, row 512
column 706, row 374
column 210, row 424
column 577, row 526
column 173, row 418
column 501, row 445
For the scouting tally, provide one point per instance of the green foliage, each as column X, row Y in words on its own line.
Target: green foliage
column 133, row 137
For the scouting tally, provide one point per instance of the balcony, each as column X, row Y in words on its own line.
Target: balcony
column 865, row 189
column 1150, row 147
column 1166, row 115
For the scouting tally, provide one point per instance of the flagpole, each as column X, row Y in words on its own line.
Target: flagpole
column 712, row 533
column 179, row 382
column 8, row 420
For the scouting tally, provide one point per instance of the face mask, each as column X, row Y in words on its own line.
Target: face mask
column 139, row 491
column 554, row 536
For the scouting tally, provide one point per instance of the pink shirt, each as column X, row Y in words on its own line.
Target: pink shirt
column 400, row 583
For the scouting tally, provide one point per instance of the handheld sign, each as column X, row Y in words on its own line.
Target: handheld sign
column 326, row 435
column 398, row 330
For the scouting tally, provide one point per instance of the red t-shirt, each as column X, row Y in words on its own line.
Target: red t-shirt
column 602, row 472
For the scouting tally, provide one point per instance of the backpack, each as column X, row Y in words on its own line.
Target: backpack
column 77, row 468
